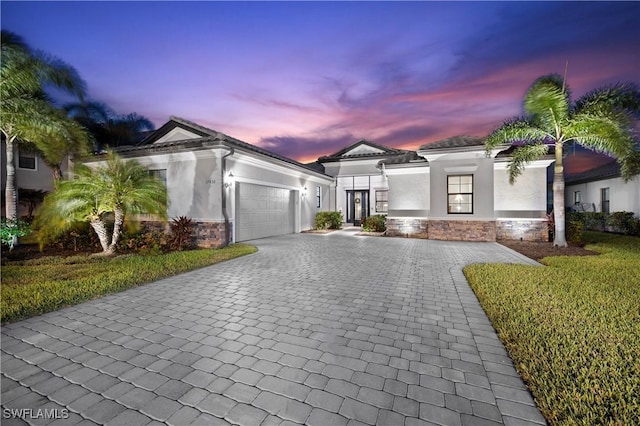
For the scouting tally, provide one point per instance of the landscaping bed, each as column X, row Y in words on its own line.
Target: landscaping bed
column 572, row 328
column 540, row 250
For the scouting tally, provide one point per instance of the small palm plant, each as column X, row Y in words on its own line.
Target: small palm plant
column 117, row 188
column 601, row 120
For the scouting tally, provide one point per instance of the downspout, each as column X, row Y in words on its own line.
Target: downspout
column 227, row 236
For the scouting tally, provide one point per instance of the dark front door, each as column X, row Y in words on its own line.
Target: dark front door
column 357, row 206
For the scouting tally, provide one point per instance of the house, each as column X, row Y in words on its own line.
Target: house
column 232, row 190
column 359, row 189
column 453, row 190
column 602, row 189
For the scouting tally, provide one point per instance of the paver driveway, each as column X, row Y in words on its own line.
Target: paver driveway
column 313, row 329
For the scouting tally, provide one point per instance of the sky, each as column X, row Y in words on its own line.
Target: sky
column 306, row 79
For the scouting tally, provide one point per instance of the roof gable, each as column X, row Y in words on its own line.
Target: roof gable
column 362, row 149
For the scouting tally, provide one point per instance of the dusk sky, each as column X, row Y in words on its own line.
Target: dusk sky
column 305, row 79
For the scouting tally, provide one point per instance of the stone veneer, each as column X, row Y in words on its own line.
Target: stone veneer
column 462, row 230
column 467, row 230
column 407, row 227
column 206, row 234
column 526, row 230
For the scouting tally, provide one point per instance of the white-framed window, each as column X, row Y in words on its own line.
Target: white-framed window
column 460, row 194
column 382, row 200
column 27, row 160
column 577, row 197
column 318, row 197
column 160, row 174
column 605, row 201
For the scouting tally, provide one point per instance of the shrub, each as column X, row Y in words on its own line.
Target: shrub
column 12, row 229
column 80, row 237
column 181, row 233
column 375, row 223
column 574, row 225
column 620, row 221
column 328, row 220
column 594, row 221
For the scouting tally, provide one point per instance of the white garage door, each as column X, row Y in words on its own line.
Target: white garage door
column 263, row 211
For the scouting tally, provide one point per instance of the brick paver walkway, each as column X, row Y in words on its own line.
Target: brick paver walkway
column 313, row 329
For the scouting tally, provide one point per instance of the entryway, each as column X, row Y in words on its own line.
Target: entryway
column 357, row 206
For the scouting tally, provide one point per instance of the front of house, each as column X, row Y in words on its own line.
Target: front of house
column 448, row 190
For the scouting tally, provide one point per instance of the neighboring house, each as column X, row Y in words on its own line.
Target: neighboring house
column 233, row 191
column 453, row 190
column 31, row 173
column 602, row 189
column 360, row 189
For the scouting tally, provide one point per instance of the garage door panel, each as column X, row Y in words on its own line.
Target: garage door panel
column 263, row 211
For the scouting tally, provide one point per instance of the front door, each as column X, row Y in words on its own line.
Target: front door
column 357, row 206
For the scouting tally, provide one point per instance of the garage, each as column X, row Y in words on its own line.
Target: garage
column 263, row 211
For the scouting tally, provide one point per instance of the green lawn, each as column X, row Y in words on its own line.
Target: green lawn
column 572, row 329
column 49, row 283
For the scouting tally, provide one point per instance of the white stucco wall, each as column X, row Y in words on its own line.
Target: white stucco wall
column 526, row 197
column 623, row 196
column 409, row 193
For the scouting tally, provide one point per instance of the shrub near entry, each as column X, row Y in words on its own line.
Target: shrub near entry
column 328, row 220
column 375, row 223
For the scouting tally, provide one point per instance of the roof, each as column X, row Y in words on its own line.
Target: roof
column 381, row 151
column 606, row 171
column 454, row 142
column 408, row 158
column 209, row 137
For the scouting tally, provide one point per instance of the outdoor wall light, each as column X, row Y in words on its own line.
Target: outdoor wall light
column 229, row 181
column 303, row 191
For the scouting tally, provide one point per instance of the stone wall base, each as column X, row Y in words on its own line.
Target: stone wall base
column 205, row 235
column 467, row 230
column 525, row 230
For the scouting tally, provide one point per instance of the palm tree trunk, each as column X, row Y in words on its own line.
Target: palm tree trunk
column 101, row 231
column 11, row 195
column 117, row 229
column 559, row 239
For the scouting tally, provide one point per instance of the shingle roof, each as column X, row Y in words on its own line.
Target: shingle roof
column 209, row 136
column 386, row 151
column 606, row 171
column 454, row 142
column 406, row 158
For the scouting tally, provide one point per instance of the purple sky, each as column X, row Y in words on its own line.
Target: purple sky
column 305, row 79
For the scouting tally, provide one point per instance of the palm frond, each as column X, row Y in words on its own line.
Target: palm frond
column 620, row 96
column 609, row 134
column 516, row 130
column 547, row 103
column 522, row 156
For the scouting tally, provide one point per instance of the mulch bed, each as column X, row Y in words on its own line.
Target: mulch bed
column 538, row 250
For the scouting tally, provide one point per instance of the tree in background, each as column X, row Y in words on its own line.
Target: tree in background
column 602, row 121
column 108, row 128
column 28, row 116
column 116, row 189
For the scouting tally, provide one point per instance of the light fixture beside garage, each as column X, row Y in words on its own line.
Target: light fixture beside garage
column 228, row 182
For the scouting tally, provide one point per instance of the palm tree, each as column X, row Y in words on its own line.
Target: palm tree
column 602, row 120
column 108, row 128
column 27, row 114
column 118, row 187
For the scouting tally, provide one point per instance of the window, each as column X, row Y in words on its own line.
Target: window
column 382, row 200
column 26, row 160
column 318, row 199
column 160, row 174
column 577, row 197
column 460, row 194
column 604, row 200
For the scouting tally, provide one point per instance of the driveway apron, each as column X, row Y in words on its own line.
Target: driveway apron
column 332, row 329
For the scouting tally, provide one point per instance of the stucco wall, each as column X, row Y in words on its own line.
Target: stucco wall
column 409, row 193
column 623, row 196
column 526, row 197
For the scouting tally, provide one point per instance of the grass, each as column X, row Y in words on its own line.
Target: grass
column 49, row 283
column 572, row 329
